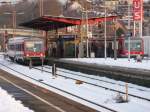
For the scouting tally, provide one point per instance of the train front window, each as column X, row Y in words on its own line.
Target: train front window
column 135, row 45
column 34, row 46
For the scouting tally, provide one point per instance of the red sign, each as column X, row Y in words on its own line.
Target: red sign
column 137, row 10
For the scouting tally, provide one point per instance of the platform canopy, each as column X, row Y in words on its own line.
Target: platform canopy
column 48, row 22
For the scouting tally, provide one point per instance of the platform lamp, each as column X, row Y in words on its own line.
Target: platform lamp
column 105, row 31
column 87, row 26
column 129, row 28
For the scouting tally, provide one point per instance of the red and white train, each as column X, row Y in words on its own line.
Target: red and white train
column 136, row 47
column 22, row 49
column 122, row 46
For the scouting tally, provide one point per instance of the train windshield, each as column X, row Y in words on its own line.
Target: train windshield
column 35, row 46
column 135, row 45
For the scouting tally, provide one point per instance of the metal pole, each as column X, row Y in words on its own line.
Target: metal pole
column 42, row 59
column 105, row 43
column 30, row 63
column 134, row 28
column 75, row 47
column 129, row 36
column 14, row 22
column 115, row 46
column 87, row 30
column 41, row 7
column 46, row 42
column 81, row 49
column 54, row 70
column 126, row 91
column 141, row 26
column 4, row 41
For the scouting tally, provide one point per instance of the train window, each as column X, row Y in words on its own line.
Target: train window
column 11, row 47
column 38, row 47
column 18, row 47
column 34, row 46
column 135, row 45
column 29, row 46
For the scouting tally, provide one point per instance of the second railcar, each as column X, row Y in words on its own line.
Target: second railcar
column 122, row 46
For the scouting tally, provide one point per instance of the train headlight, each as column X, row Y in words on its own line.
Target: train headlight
column 41, row 54
column 27, row 55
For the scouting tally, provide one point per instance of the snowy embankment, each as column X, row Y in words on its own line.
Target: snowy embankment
column 9, row 104
column 95, row 94
column 121, row 62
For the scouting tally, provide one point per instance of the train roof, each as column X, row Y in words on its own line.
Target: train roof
column 24, row 38
column 21, row 39
column 18, row 38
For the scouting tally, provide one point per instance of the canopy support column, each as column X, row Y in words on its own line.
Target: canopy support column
column 46, row 43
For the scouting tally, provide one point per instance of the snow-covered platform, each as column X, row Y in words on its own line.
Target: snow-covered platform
column 121, row 69
column 98, row 95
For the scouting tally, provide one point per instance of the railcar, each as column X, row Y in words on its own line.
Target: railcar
column 122, row 46
column 136, row 47
column 22, row 49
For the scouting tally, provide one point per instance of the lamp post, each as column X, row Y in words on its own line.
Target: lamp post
column 87, row 32
column 115, row 43
column 41, row 7
column 141, row 26
column 129, row 34
column 86, row 11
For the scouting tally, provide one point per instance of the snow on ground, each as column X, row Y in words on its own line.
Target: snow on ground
column 92, row 93
column 9, row 104
column 122, row 62
column 139, row 91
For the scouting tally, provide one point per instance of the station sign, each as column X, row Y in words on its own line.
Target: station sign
column 137, row 10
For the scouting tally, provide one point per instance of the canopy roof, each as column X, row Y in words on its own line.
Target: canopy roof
column 48, row 22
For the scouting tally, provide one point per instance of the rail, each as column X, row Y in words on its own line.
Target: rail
column 139, row 97
column 91, row 102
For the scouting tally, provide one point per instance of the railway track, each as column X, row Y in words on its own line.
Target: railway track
column 114, row 90
column 87, row 100
column 134, row 76
column 100, row 80
column 28, row 98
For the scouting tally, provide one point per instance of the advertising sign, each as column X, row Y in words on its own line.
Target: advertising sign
column 137, row 10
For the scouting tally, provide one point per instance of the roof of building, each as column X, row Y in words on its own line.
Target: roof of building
column 49, row 22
